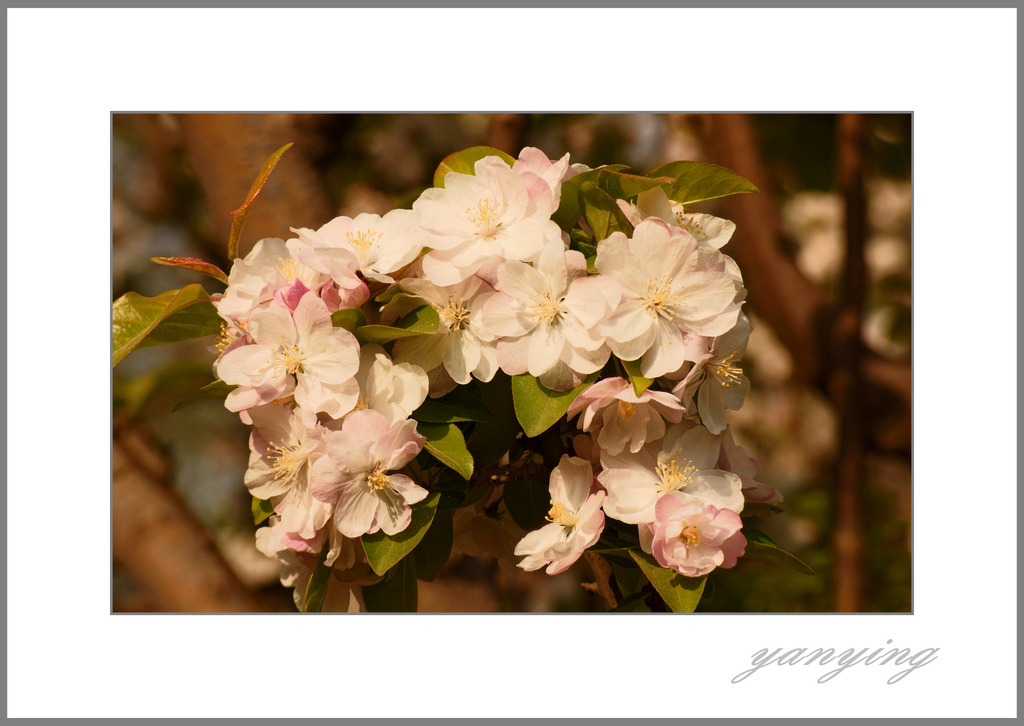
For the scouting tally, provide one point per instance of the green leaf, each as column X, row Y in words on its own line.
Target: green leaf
column 238, row 216
column 140, row 322
column 193, row 263
column 538, row 408
column 492, row 439
column 628, row 576
column 464, row 162
column 446, row 442
column 602, row 213
column 348, row 319
column 681, row 594
column 582, row 242
column 632, row 604
column 153, row 393
column 396, row 593
column 568, row 212
column 453, row 491
column 433, row 551
column 761, row 546
column 624, row 186
column 696, row 181
column 383, row 551
column 210, row 392
column 316, row 588
column 528, row 502
column 459, row 405
column 261, row 509
column 640, row 384
column 421, row 321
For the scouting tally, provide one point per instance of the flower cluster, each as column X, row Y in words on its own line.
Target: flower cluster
column 652, row 320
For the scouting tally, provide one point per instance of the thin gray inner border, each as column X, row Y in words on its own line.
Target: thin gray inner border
column 913, row 311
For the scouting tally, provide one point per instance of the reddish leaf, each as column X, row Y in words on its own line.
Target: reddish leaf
column 238, row 216
column 193, row 263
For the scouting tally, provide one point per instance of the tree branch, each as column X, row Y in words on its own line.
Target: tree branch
column 604, row 580
column 227, row 150
column 158, row 541
column 845, row 380
column 796, row 309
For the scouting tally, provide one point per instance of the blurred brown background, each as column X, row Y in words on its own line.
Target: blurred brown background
column 825, row 252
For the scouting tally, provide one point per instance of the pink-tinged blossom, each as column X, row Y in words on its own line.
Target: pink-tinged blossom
column 670, row 287
column 709, row 231
column 717, row 379
column 685, row 460
column 358, row 474
column 297, row 353
column 339, row 264
column 692, row 537
column 476, row 219
column 270, row 266
column 284, row 446
column 298, row 559
column 342, row 554
column 575, row 519
column 735, row 458
column 534, row 164
column 611, row 410
column 380, row 246
column 392, row 389
column 462, row 347
column 546, row 316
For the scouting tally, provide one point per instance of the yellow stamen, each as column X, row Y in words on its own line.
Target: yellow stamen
column 286, row 461
column 560, row 515
column 675, row 473
column 659, row 298
column 690, row 536
column 546, row 308
column 288, row 268
column 290, row 358
column 727, row 371
column 227, row 337
column 485, row 217
column 363, row 241
column 456, row 314
column 627, row 410
column 377, row 480
column 691, row 225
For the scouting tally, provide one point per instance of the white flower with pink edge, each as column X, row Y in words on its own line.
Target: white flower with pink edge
column 358, row 474
column 546, row 316
column 716, row 378
column 611, row 410
column 692, row 537
column 670, row 287
column 297, row 353
column 482, row 218
column 462, row 348
column 284, row 446
column 684, row 460
column 380, row 245
column 575, row 519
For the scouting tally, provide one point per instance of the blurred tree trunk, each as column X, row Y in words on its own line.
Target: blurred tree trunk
column 508, row 132
column 845, row 380
column 158, row 541
column 796, row 309
column 227, row 151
